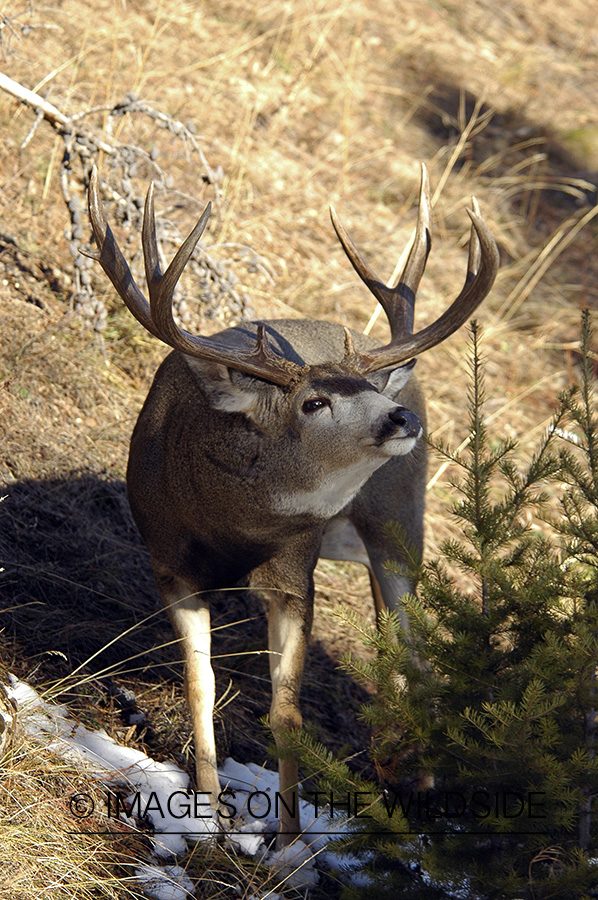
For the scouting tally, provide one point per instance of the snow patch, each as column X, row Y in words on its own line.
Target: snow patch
column 165, row 883
column 159, row 792
column 293, row 866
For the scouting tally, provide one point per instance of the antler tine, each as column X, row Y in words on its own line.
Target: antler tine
column 481, row 271
column 157, row 316
column 112, row 261
column 418, row 256
column 161, row 286
column 398, row 302
column 475, row 250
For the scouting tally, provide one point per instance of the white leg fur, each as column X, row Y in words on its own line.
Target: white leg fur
column 190, row 617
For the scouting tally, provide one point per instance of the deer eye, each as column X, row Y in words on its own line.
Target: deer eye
column 315, row 404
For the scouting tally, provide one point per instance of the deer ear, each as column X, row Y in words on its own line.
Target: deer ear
column 390, row 381
column 226, row 389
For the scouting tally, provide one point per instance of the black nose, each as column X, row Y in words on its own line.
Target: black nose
column 406, row 420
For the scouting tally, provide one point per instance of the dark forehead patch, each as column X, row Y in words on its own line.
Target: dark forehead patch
column 345, row 385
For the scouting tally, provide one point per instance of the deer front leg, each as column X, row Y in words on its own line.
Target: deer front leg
column 286, row 584
column 190, row 616
column 288, row 634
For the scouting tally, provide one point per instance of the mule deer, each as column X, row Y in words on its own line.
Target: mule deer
column 270, row 444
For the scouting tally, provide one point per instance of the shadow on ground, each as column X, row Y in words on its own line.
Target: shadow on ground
column 508, row 138
column 78, row 596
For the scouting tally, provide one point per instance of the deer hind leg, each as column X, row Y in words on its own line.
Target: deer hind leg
column 190, row 616
column 388, row 588
column 341, row 541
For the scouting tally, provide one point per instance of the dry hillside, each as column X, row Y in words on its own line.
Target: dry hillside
column 272, row 111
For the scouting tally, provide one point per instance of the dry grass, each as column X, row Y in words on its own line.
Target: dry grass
column 44, row 852
column 301, row 104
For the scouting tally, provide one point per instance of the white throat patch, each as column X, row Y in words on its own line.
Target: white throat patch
column 333, row 494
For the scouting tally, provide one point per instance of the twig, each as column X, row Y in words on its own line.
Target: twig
column 219, row 293
column 63, row 124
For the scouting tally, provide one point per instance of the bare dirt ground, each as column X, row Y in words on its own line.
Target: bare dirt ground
column 294, row 106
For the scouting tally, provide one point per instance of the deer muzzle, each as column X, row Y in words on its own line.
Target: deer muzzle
column 400, row 423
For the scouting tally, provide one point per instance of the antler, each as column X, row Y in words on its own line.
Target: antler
column 156, row 316
column 398, row 302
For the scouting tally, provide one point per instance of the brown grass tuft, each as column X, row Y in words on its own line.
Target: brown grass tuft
column 44, row 851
